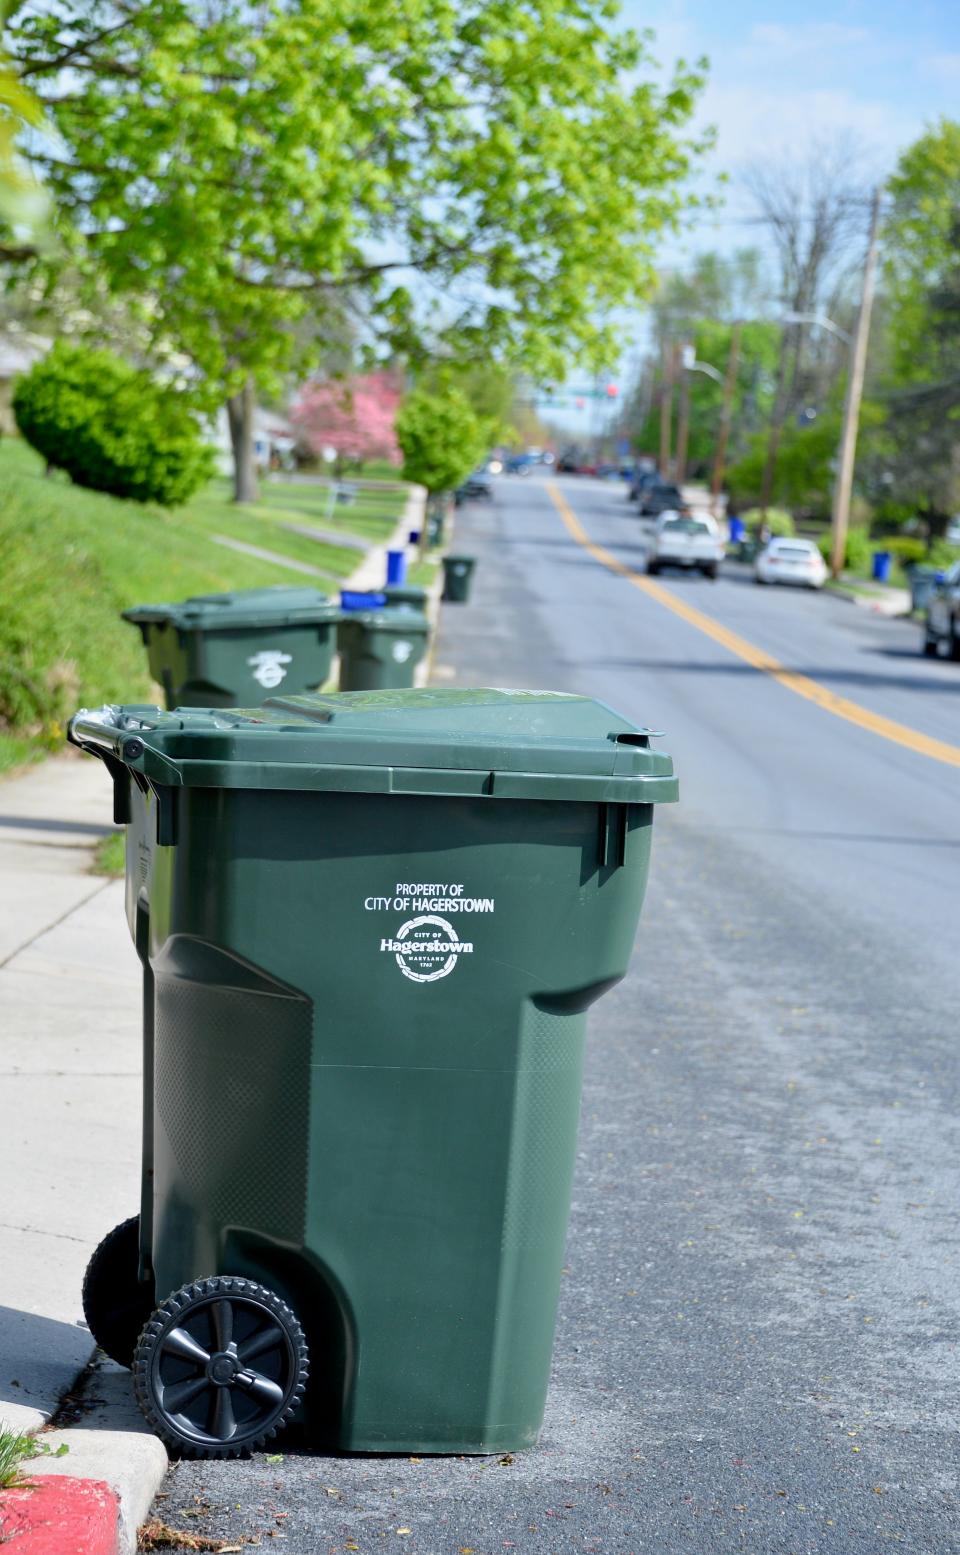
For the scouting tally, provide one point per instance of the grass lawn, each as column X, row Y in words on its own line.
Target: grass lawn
column 73, row 559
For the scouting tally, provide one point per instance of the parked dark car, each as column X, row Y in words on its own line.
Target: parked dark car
column 942, row 632
column 476, row 487
column 660, row 499
column 642, row 480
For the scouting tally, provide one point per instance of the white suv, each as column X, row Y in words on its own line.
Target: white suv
column 686, row 540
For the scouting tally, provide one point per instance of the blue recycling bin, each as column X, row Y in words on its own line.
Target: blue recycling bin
column 882, row 562
column 396, row 567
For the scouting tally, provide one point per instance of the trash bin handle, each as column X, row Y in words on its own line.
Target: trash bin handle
column 100, row 729
column 110, row 732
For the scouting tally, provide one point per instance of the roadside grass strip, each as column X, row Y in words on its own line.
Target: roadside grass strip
column 811, row 690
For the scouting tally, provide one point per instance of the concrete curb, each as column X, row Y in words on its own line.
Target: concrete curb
column 892, row 602
column 94, row 1497
column 59, row 1516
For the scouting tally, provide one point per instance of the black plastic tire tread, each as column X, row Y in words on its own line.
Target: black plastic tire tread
column 115, row 1304
column 176, row 1305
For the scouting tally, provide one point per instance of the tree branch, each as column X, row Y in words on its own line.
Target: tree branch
column 16, row 253
column 75, row 51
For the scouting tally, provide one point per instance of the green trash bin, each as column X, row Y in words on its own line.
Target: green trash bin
column 406, row 594
column 380, row 649
column 923, row 582
column 436, row 523
column 457, row 577
column 235, row 650
column 371, row 926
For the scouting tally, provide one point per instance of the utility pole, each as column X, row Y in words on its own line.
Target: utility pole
column 666, row 408
column 726, row 416
column 683, row 416
column 851, row 406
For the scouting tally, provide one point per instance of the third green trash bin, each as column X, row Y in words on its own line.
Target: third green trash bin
column 235, row 650
column 457, row 577
column 371, row 926
column 381, row 648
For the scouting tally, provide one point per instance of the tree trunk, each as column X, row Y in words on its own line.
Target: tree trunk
column 240, row 411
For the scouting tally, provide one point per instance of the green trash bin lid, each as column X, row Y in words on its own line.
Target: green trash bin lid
column 281, row 605
column 499, row 744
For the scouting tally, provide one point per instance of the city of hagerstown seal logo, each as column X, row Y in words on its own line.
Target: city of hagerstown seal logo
column 426, row 948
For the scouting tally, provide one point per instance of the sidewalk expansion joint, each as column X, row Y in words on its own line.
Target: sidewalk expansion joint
column 101, row 886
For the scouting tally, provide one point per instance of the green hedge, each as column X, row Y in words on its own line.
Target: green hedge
column 859, row 551
column 111, row 427
column 906, row 548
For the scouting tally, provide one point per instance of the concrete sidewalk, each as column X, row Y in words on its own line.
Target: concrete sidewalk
column 70, row 1065
column 69, row 1124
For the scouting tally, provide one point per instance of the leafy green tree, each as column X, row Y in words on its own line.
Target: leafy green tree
column 441, row 439
column 486, row 180
column 111, row 427
column 23, row 204
column 700, row 307
column 916, row 465
column 922, row 245
column 806, row 460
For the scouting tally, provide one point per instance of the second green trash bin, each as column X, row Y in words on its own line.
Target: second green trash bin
column 381, row 648
column 457, row 577
column 371, row 926
column 235, row 650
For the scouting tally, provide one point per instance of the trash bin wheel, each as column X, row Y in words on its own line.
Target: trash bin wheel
column 115, row 1303
column 220, row 1367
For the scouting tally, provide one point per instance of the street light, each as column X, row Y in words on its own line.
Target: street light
column 688, row 361
column 693, row 366
column 819, row 319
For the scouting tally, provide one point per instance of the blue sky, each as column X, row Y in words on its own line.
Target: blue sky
column 782, row 77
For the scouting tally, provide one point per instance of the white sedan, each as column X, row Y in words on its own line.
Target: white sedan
column 791, row 561
column 686, row 540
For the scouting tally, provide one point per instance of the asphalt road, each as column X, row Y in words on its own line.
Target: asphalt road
column 758, row 1339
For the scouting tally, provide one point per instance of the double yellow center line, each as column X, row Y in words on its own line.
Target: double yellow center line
column 841, row 707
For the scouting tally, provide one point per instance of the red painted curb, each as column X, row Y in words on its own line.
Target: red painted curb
column 57, row 1515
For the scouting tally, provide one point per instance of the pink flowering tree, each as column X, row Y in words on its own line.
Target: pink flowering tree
column 356, row 417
